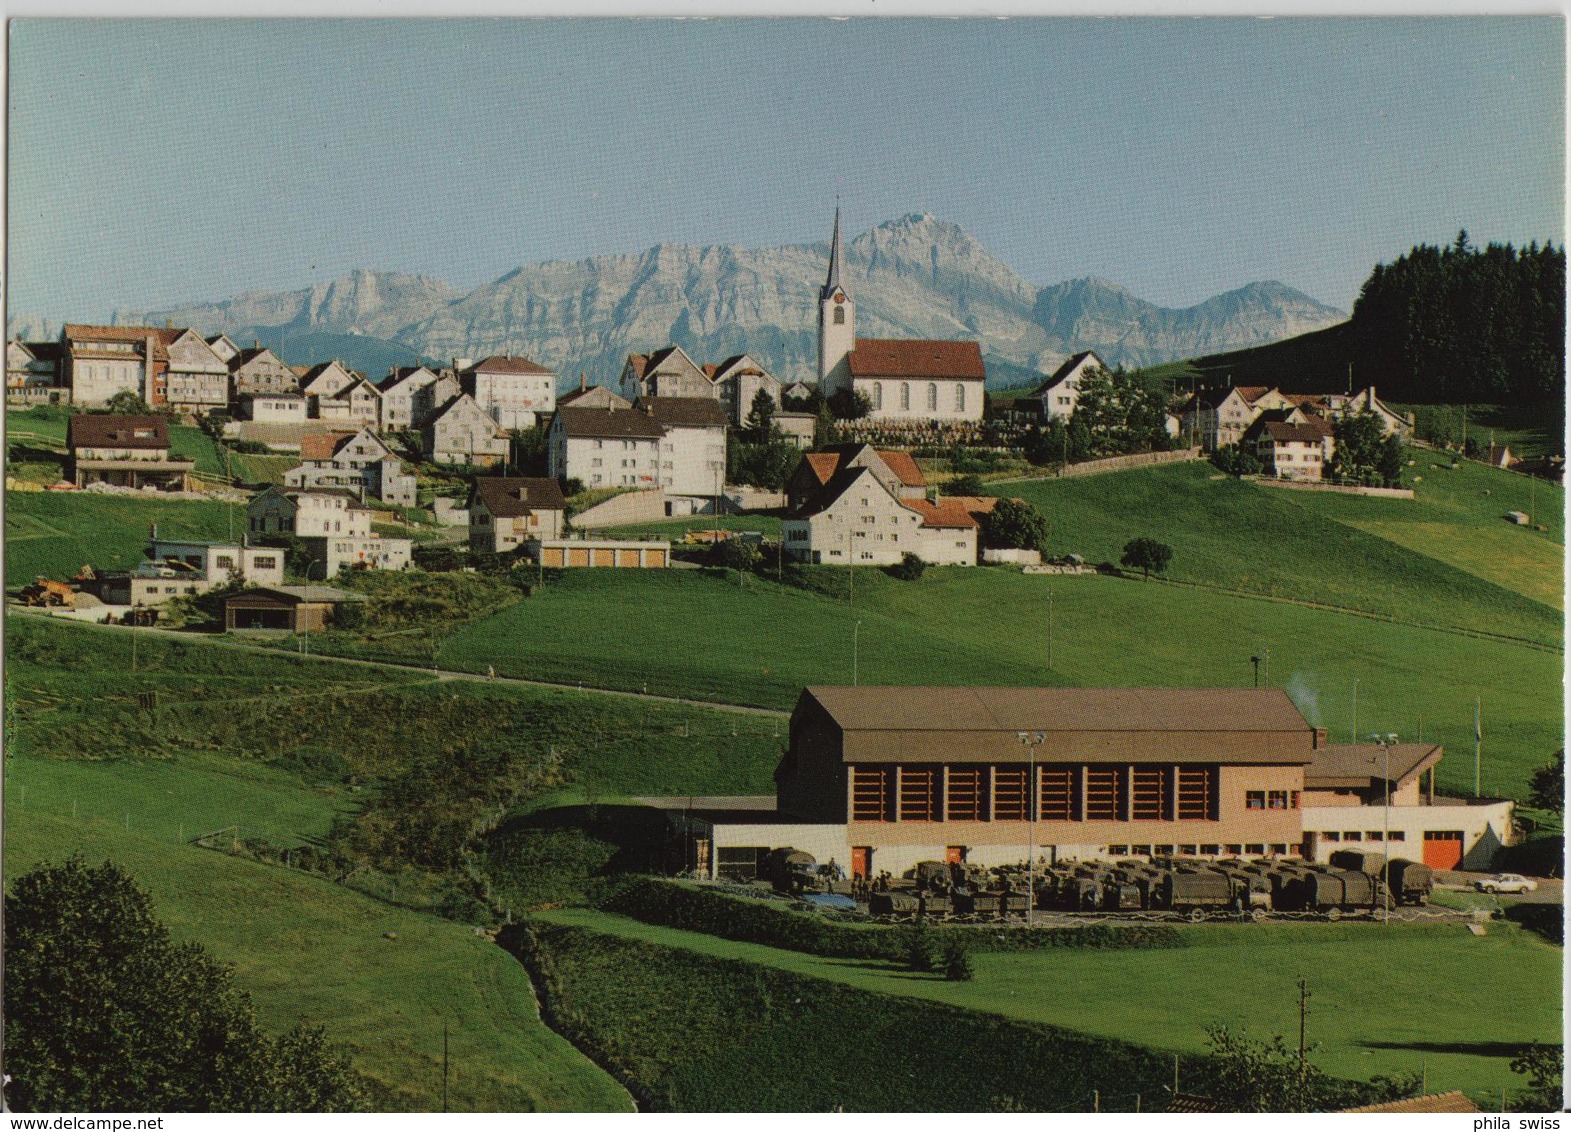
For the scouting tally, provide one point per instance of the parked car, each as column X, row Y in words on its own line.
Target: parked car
column 1505, row 882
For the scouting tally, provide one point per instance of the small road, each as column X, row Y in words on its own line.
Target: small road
column 1549, row 890
column 425, row 669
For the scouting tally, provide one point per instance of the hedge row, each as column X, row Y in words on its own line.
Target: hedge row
column 678, row 905
column 698, row 1033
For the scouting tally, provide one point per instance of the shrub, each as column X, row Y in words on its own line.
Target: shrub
column 969, row 484
column 957, row 962
column 910, row 568
column 916, row 947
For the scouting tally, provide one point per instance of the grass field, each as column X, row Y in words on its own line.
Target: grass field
column 1384, row 1000
column 1447, row 557
column 760, row 644
column 54, row 534
column 309, row 950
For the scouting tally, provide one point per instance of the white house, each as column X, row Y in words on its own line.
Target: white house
column 910, row 380
column 272, row 408
column 1365, row 401
column 1291, row 444
column 857, row 520
column 258, row 370
column 332, row 523
column 1059, row 394
column 505, row 512
column 513, row 392
column 100, row 361
column 463, row 433
column 739, row 380
column 692, row 446
column 358, row 460
column 673, row 444
column 32, row 373
column 402, row 408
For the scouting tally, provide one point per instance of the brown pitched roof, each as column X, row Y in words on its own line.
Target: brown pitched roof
column 976, row 505
column 506, row 363
column 917, row 358
column 639, row 363
column 1454, row 1101
column 323, row 445
column 947, row 512
column 1251, row 393
column 512, row 496
column 904, row 466
column 823, row 464
column 609, row 423
column 114, row 430
column 1358, row 764
column 595, row 394
column 140, row 334
column 1312, row 431
column 685, row 412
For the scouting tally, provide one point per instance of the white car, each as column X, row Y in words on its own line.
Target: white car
column 1505, row 882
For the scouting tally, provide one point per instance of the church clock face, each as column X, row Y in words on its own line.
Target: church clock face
column 839, row 298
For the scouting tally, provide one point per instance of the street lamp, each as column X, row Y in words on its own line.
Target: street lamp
column 1386, row 742
column 1031, row 740
column 856, row 634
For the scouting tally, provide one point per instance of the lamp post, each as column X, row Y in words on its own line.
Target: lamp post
column 1386, row 742
column 1031, row 740
column 1255, row 660
column 1050, row 629
column 856, row 634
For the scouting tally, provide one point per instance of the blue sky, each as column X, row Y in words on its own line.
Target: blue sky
column 160, row 161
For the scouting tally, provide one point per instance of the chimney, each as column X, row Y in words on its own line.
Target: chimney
column 583, row 381
column 169, row 324
column 523, row 494
column 1320, row 738
column 256, row 343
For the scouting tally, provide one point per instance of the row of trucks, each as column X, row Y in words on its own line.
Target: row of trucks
column 1352, row 882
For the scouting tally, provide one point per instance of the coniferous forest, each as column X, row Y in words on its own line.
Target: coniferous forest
column 1468, row 324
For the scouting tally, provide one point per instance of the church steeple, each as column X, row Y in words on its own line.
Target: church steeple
column 836, row 323
column 832, row 284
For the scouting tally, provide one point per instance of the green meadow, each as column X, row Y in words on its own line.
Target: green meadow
column 55, row 533
column 698, row 634
column 1429, row 999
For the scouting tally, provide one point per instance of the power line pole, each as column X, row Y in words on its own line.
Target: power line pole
column 444, row 1066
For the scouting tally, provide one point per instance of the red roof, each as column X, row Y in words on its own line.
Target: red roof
column 823, row 464
column 917, row 357
column 506, row 363
column 947, row 511
column 322, row 445
column 904, row 466
column 1252, row 393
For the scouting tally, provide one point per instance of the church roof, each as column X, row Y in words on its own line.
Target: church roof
column 916, row 357
column 832, row 283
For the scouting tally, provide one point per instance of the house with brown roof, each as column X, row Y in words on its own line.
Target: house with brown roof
column 462, row 433
column 100, row 361
column 885, row 777
column 513, row 392
column 196, row 380
column 588, row 396
column 904, row 379
column 125, row 451
column 1291, row 444
column 259, row 370
column 857, row 506
column 356, row 459
column 675, row 445
column 668, row 372
column 1217, row 418
column 1453, row 1101
column 1365, row 401
column 507, row 511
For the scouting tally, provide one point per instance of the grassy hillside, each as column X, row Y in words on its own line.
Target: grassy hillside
column 697, row 634
column 55, row 533
column 1329, row 548
column 1385, row 999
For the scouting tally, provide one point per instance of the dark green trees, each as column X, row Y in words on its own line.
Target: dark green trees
column 105, row 1013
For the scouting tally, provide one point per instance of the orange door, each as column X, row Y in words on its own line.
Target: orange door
column 861, row 861
column 1443, row 848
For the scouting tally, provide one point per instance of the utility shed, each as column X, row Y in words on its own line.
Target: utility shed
column 290, row 609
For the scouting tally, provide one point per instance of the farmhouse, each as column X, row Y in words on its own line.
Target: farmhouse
column 506, row 511
column 1056, row 398
column 1291, row 444
column 739, row 380
column 668, row 372
column 461, row 432
column 905, row 380
column 256, row 371
column 196, row 380
column 885, row 777
column 1365, row 401
column 355, row 459
column 126, row 451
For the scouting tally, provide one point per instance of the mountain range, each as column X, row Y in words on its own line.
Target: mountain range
column 913, row 277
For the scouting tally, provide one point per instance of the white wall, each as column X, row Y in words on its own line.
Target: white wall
column 885, row 392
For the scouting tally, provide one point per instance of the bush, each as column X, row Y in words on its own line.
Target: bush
column 1236, row 460
column 910, row 568
column 916, row 947
column 969, row 484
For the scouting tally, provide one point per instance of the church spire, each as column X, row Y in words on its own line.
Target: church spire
column 832, row 284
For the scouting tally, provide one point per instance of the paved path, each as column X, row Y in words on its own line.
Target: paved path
column 428, row 669
column 1549, row 890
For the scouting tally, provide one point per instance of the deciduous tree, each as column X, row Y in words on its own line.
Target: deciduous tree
column 1014, row 524
column 1147, row 554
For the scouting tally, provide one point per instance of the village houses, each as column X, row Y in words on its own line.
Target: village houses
column 506, row 511
column 1057, row 398
column 332, row 525
column 461, row 432
column 196, row 380
column 1292, row 444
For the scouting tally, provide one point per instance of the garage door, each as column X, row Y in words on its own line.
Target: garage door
column 1443, row 848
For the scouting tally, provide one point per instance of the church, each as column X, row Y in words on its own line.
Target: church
column 905, row 380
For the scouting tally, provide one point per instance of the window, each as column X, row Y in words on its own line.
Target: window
column 1009, row 793
column 1188, row 850
column 872, row 793
column 1331, row 836
column 966, row 793
column 932, row 397
column 1060, row 793
column 1397, row 835
column 1254, row 849
column 1374, row 835
column 1118, row 850
column 1292, row 800
column 840, row 316
column 1352, row 835
column 960, row 397
column 1196, row 793
column 905, row 395
column 1276, row 800
column 1234, row 850
column 1254, row 799
column 1140, row 850
column 1149, row 794
column 266, row 562
column 919, row 799
column 1104, row 793
column 1279, row 850
column 878, row 394
column 1210, row 850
